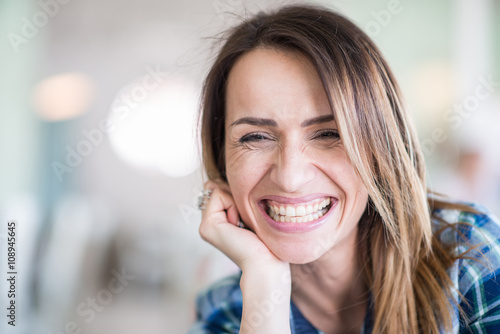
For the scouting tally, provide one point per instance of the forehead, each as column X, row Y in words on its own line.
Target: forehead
column 272, row 83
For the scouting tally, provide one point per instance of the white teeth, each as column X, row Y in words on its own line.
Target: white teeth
column 300, row 211
column 324, row 203
column 299, row 214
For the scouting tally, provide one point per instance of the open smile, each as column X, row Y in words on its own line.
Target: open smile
column 296, row 215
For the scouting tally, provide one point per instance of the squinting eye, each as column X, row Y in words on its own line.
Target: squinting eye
column 327, row 134
column 252, row 137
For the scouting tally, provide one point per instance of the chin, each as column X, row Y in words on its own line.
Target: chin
column 298, row 253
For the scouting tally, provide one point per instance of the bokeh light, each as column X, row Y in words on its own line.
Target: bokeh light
column 63, row 96
column 154, row 128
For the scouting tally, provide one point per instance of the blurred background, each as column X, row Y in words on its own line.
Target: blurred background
column 98, row 159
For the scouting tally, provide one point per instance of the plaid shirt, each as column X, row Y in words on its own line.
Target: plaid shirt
column 219, row 307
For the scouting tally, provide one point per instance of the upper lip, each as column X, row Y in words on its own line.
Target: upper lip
column 295, row 200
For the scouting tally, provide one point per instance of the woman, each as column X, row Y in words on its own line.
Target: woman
column 306, row 140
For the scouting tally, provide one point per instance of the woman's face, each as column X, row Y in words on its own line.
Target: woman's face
column 287, row 169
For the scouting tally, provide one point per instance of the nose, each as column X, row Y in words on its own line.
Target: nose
column 293, row 169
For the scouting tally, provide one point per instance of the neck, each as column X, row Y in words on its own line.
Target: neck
column 333, row 286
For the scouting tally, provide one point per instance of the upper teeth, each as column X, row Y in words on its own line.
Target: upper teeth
column 298, row 213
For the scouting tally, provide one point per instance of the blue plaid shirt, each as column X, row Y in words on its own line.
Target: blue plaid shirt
column 219, row 307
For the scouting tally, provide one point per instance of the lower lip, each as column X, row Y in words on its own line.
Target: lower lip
column 297, row 227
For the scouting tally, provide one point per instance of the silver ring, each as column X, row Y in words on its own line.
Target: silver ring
column 240, row 224
column 203, row 198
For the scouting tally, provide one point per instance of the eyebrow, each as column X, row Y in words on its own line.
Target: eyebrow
column 272, row 123
column 317, row 120
column 255, row 121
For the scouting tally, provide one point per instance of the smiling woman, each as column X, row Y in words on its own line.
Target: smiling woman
column 284, row 155
column 306, row 140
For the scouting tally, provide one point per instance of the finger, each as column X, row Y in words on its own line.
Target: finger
column 221, row 206
column 220, row 188
column 232, row 215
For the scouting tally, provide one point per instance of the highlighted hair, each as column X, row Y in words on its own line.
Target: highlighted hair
column 405, row 265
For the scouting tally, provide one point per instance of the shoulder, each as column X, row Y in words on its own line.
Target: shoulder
column 475, row 234
column 476, row 231
column 475, row 238
column 219, row 306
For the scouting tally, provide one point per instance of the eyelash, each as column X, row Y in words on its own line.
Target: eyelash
column 252, row 137
column 326, row 134
column 322, row 134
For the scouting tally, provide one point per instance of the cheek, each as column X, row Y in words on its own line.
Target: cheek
column 236, row 161
column 244, row 169
column 354, row 190
column 339, row 169
column 336, row 165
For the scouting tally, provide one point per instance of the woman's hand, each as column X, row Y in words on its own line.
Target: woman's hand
column 265, row 284
column 219, row 227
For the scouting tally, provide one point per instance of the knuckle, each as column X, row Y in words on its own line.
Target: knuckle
column 203, row 232
column 210, row 184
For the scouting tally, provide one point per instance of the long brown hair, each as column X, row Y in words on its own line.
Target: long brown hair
column 405, row 264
